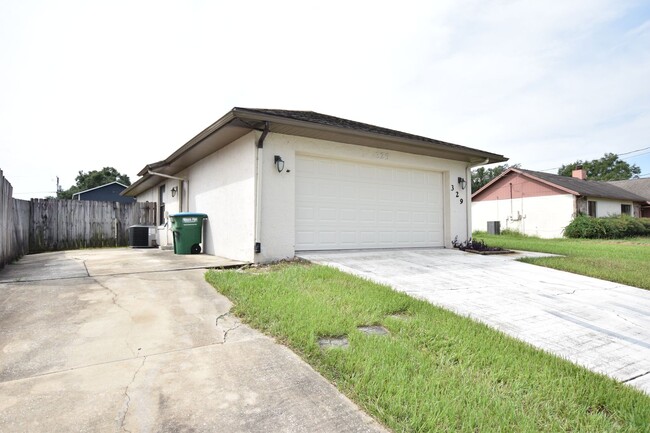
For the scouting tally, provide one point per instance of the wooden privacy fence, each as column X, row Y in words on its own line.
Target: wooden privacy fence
column 71, row 224
column 14, row 224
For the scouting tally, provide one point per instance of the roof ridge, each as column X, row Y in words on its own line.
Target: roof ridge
column 588, row 187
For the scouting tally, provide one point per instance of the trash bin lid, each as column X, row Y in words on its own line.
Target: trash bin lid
column 189, row 214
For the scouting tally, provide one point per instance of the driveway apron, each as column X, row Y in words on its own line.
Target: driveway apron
column 127, row 340
column 600, row 325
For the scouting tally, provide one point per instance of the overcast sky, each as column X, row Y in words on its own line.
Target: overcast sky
column 88, row 84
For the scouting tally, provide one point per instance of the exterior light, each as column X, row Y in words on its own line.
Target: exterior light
column 174, row 191
column 462, row 182
column 279, row 163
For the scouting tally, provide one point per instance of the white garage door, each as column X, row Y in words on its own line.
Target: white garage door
column 347, row 205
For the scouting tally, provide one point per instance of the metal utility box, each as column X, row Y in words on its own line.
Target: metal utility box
column 494, row 227
column 188, row 232
column 142, row 236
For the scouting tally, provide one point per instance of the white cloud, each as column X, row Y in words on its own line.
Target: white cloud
column 88, row 84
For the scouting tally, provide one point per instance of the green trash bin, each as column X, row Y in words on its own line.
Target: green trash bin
column 188, row 231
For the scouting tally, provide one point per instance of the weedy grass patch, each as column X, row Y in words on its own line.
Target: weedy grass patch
column 434, row 371
column 619, row 260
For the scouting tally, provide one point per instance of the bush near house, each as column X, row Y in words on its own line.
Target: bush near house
column 614, row 227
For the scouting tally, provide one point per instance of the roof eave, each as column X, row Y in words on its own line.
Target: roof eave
column 246, row 120
column 463, row 153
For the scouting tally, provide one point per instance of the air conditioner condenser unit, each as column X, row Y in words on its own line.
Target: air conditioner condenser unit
column 142, row 236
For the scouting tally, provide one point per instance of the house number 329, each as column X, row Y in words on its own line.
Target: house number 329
column 457, row 194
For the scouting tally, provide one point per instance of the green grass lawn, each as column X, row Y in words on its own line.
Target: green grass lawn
column 435, row 371
column 623, row 261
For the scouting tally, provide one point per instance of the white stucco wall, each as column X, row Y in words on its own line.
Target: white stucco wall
column 544, row 216
column 277, row 229
column 605, row 208
column 147, row 196
column 222, row 185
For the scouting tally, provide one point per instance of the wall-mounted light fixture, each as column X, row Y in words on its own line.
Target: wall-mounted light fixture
column 279, row 163
column 462, row 182
column 174, row 191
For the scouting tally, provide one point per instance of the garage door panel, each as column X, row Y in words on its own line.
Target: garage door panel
column 349, row 216
column 343, row 204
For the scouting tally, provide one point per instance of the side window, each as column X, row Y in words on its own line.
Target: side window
column 161, row 204
column 626, row 209
column 592, row 208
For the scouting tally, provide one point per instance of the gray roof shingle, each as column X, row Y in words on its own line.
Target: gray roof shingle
column 635, row 186
column 338, row 122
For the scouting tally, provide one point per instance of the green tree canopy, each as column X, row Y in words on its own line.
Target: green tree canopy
column 481, row 176
column 93, row 179
column 609, row 167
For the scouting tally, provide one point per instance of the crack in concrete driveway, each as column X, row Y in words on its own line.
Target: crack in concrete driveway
column 69, row 326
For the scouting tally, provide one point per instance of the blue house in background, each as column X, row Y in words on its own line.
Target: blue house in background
column 108, row 192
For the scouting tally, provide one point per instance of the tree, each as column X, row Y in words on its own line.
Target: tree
column 482, row 176
column 93, row 179
column 609, row 167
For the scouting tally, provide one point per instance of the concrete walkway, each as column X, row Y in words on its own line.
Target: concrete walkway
column 126, row 340
column 597, row 324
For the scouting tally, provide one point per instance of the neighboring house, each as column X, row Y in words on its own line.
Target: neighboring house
column 639, row 187
column 543, row 204
column 274, row 182
column 107, row 192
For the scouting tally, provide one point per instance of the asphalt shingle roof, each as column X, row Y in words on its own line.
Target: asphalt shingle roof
column 635, row 186
column 338, row 122
column 591, row 188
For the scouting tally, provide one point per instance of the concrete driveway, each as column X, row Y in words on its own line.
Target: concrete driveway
column 597, row 324
column 127, row 340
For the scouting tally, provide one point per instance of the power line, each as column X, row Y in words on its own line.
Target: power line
column 634, row 156
column 632, row 151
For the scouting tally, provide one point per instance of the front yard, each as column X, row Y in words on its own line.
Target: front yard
column 623, row 260
column 434, row 371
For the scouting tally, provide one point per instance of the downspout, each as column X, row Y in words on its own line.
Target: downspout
column 511, row 208
column 180, row 187
column 259, row 170
column 468, row 193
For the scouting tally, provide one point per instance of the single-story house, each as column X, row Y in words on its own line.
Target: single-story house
column 107, row 192
column 543, row 204
column 640, row 187
column 274, row 182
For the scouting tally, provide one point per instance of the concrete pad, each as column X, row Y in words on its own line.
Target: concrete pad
column 152, row 350
column 250, row 386
column 45, row 266
column 106, row 261
column 600, row 325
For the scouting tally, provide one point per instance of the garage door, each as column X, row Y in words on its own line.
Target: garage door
column 348, row 205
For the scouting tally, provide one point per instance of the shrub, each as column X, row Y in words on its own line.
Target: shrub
column 614, row 227
column 474, row 245
column 646, row 223
column 628, row 226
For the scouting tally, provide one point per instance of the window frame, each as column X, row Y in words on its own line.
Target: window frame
column 161, row 204
column 592, row 208
column 626, row 209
